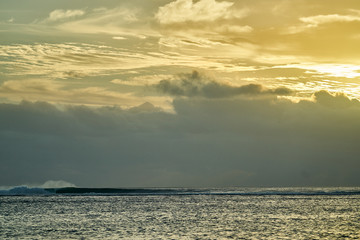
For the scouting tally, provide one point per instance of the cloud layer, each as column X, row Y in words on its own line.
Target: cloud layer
column 196, row 85
column 207, row 142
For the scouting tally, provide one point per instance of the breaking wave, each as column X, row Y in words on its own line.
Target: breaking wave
column 24, row 190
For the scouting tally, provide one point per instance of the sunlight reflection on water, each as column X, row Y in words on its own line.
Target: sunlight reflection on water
column 180, row 217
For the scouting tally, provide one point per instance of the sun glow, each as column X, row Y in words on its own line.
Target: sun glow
column 330, row 70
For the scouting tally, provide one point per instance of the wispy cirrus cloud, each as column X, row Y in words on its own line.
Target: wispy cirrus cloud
column 181, row 11
column 79, row 60
column 57, row 60
column 64, row 93
column 204, row 23
column 61, row 14
column 314, row 21
column 118, row 21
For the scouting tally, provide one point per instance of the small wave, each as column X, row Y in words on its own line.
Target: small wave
column 290, row 191
column 280, row 193
column 24, row 190
column 187, row 191
column 74, row 191
column 120, row 191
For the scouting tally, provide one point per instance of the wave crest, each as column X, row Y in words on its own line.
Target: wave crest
column 24, row 190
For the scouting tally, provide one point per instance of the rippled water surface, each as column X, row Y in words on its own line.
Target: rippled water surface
column 180, row 217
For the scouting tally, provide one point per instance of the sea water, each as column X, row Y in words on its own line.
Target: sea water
column 181, row 214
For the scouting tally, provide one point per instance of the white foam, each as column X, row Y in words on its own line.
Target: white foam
column 24, row 190
column 56, row 184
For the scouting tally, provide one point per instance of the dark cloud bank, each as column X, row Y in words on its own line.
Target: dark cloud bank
column 197, row 85
column 208, row 142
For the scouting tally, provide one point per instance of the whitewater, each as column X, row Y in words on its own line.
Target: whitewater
column 179, row 213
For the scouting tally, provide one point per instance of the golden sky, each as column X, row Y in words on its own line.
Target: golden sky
column 245, row 92
column 113, row 52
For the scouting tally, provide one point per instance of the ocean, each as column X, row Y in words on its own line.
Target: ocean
column 236, row 213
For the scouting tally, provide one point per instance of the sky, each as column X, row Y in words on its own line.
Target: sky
column 180, row 93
